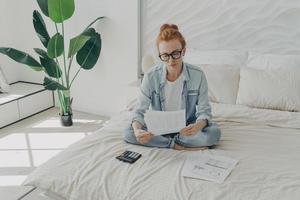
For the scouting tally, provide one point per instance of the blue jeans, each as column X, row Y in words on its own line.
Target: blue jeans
column 208, row 136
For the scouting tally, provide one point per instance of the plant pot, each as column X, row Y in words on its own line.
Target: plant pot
column 66, row 120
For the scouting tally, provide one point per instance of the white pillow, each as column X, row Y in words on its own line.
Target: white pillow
column 223, row 82
column 235, row 58
column 4, row 86
column 147, row 63
column 272, row 61
column 270, row 89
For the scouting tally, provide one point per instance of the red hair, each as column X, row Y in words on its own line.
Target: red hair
column 169, row 32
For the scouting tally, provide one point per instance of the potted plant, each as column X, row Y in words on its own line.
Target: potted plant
column 85, row 47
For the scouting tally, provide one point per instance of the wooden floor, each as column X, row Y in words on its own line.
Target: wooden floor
column 31, row 142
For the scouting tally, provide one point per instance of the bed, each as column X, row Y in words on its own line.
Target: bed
column 258, row 110
column 265, row 142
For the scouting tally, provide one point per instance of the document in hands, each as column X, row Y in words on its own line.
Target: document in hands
column 208, row 167
column 164, row 122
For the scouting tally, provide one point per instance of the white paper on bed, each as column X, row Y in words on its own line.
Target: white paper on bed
column 164, row 122
column 208, row 167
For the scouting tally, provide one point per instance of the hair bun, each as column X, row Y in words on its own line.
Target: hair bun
column 169, row 32
column 168, row 26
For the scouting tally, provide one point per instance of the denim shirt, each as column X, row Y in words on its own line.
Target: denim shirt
column 194, row 94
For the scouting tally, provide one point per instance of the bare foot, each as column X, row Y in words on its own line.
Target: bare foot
column 179, row 147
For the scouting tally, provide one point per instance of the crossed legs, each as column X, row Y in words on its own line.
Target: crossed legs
column 207, row 137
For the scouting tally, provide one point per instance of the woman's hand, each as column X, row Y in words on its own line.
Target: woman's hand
column 189, row 130
column 143, row 136
column 192, row 129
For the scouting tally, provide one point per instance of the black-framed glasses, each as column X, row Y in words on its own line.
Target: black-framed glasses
column 175, row 55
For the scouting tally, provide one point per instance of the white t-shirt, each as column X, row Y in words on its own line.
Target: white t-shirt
column 173, row 93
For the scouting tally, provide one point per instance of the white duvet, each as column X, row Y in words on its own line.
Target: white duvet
column 266, row 143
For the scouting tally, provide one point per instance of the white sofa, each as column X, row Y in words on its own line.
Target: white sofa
column 24, row 100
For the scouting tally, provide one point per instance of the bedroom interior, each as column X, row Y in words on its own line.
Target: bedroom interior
column 249, row 51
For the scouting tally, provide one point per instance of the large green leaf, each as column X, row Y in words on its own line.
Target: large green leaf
column 43, row 4
column 40, row 28
column 53, row 85
column 41, row 52
column 88, row 55
column 60, row 10
column 77, row 43
column 51, row 67
column 55, row 46
column 90, row 32
column 21, row 57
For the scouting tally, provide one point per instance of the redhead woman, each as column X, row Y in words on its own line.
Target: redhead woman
column 170, row 86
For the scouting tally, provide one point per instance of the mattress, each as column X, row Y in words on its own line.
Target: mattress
column 265, row 142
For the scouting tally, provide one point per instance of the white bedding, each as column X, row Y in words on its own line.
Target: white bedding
column 266, row 143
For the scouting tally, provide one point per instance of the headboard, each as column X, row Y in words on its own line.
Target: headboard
column 266, row 26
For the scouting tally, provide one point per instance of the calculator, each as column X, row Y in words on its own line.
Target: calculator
column 129, row 156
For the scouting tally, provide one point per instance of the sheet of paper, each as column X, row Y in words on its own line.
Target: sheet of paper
column 208, row 167
column 164, row 122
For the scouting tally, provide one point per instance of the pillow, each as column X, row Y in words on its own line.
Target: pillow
column 4, row 87
column 223, row 82
column 270, row 89
column 272, row 61
column 197, row 57
column 147, row 63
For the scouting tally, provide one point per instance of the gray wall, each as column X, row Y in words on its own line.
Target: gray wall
column 257, row 25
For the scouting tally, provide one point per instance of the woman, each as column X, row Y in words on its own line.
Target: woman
column 174, row 85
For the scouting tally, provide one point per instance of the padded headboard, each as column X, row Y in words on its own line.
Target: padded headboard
column 267, row 26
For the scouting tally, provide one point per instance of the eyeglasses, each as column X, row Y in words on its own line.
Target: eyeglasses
column 175, row 55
